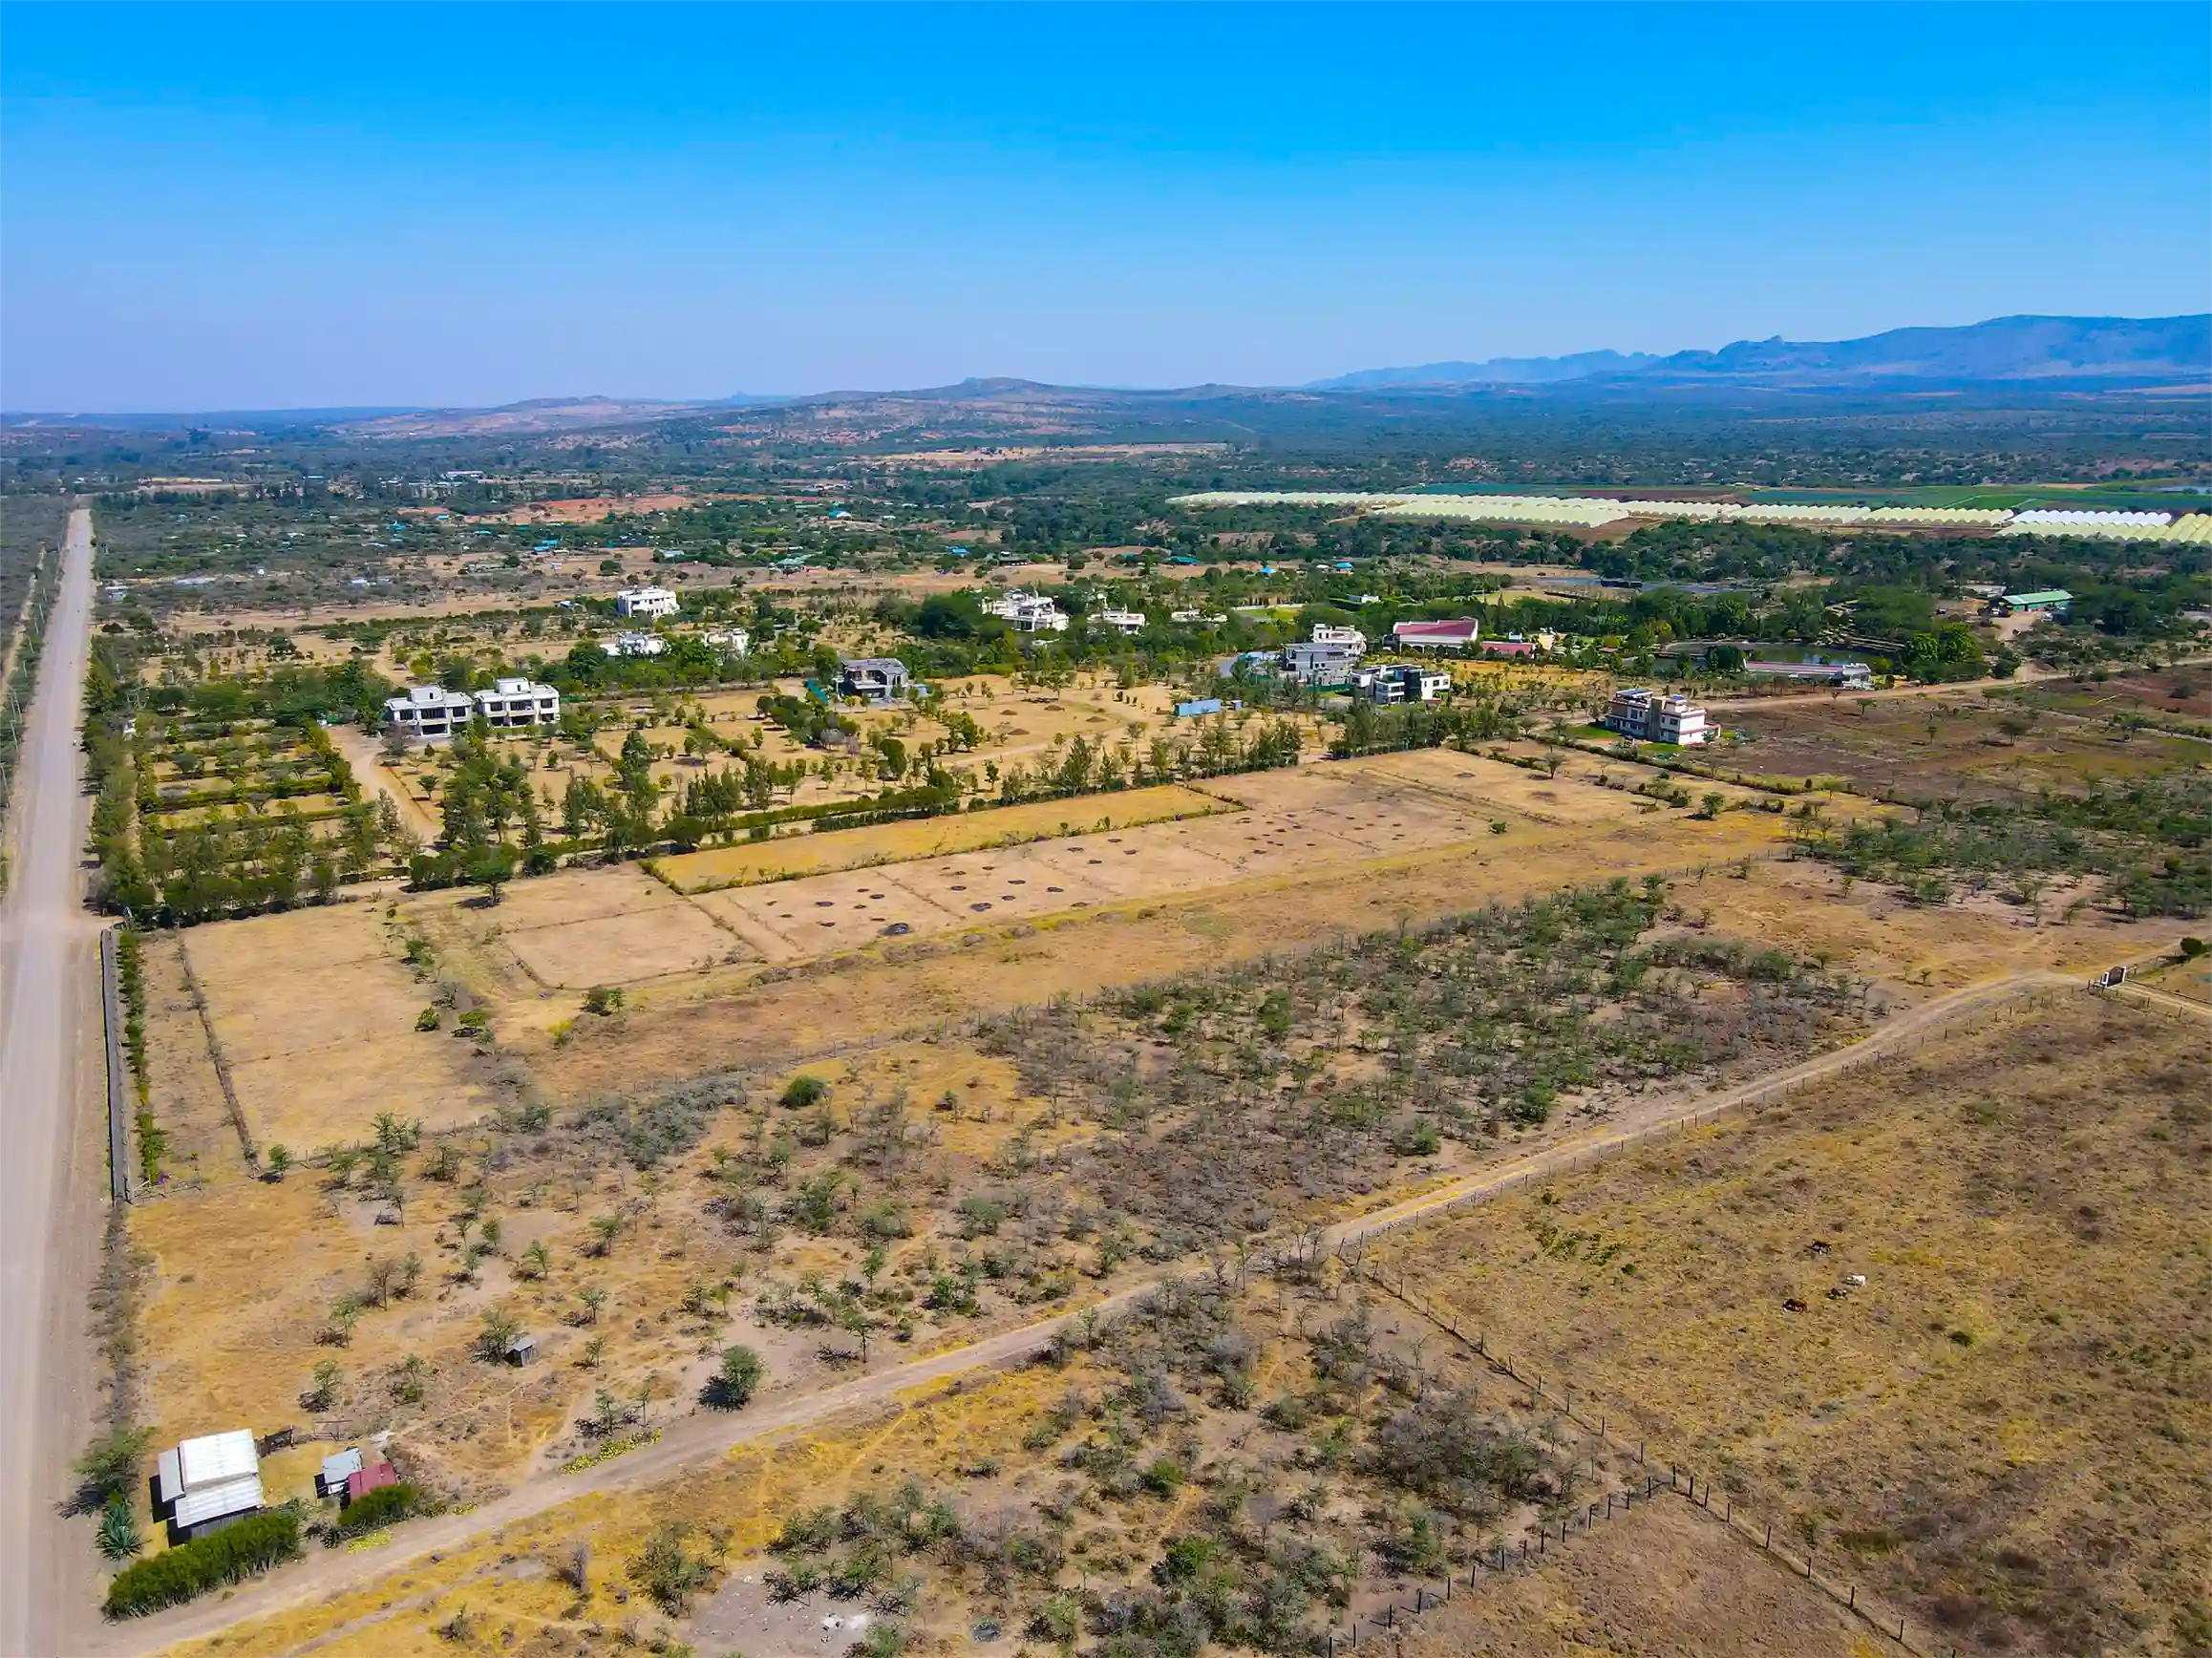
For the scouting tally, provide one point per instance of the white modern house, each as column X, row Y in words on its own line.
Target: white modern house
column 206, row 1484
column 1123, row 622
column 1312, row 663
column 1400, row 682
column 1029, row 613
column 518, row 702
column 1350, row 638
column 734, row 639
column 1647, row 716
column 876, row 678
column 645, row 601
column 634, row 645
column 429, row 711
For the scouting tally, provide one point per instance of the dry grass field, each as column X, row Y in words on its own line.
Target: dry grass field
column 1970, row 746
column 2008, row 1427
column 792, row 855
column 1667, row 1583
column 315, row 1011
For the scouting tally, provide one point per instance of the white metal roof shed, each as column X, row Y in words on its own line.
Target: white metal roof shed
column 217, row 1458
column 214, row 1501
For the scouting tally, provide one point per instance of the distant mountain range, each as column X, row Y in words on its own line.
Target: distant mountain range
column 2012, row 360
column 2024, row 348
column 1496, row 372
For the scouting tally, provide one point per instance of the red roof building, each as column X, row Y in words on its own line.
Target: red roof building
column 1435, row 635
column 363, row 1481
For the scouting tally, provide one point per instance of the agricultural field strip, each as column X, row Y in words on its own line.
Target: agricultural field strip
column 1596, row 511
column 686, row 1443
column 774, row 917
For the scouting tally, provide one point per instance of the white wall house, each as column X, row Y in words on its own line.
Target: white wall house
column 1029, row 613
column 1350, row 638
column 645, row 601
column 634, row 645
column 1121, row 621
column 1400, row 682
column 429, row 711
column 518, row 702
column 734, row 639
column 1649, row 717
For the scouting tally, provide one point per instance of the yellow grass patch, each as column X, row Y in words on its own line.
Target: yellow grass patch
column 932, row 836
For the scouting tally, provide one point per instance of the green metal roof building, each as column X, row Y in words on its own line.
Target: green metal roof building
column 2054, row 599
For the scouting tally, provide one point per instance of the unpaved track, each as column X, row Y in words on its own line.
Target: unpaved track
column 2026, row 676
column 48, row 987
column 696, row 1441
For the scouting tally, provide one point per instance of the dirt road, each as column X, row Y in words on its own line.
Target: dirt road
column 2028, row 676
column 48, row 1206
column 695, row 1440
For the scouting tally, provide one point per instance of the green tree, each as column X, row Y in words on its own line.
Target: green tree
column 736, row 1380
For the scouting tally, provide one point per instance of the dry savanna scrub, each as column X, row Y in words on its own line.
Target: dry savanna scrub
column 2005, row 1427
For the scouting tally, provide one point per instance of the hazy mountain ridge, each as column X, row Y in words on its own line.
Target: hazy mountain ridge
column 2015, row 348
column 1493, row 371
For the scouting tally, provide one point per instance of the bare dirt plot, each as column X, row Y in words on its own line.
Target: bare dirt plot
column 958, row 832
column 599, row 926
column 1923, row 747
column 2008, row 1428
column 1666, row 1582
column 315, row 1016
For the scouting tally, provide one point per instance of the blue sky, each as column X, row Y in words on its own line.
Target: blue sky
column 311, row 205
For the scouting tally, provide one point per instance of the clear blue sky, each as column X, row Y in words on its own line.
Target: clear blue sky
column 295, row 206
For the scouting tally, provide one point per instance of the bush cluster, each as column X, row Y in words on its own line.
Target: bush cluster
column 190, row 1569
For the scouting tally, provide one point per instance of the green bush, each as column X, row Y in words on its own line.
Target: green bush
column 385, row 1505
column 802, row 1091
column 254, row 1544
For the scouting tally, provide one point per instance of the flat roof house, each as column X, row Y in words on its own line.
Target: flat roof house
column 1121, row 621
column 877, row 678
column 206, row 1484
column 518, row 702
column 1649, row 717
column 1400, row 682
column 634, row 645
column 1436, row 635
column 1350, row 638
column 1029, row 613
column 645, row 601
column 1311, row 664
column 429, row 711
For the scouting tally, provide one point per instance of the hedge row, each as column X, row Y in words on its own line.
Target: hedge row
column 175, row 1576
column 373, row 1510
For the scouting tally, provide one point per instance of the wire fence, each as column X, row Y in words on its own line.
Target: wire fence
column 2023, row 1004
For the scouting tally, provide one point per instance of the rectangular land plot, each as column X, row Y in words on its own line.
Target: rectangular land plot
column 315, row 1016
column 955, row 832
